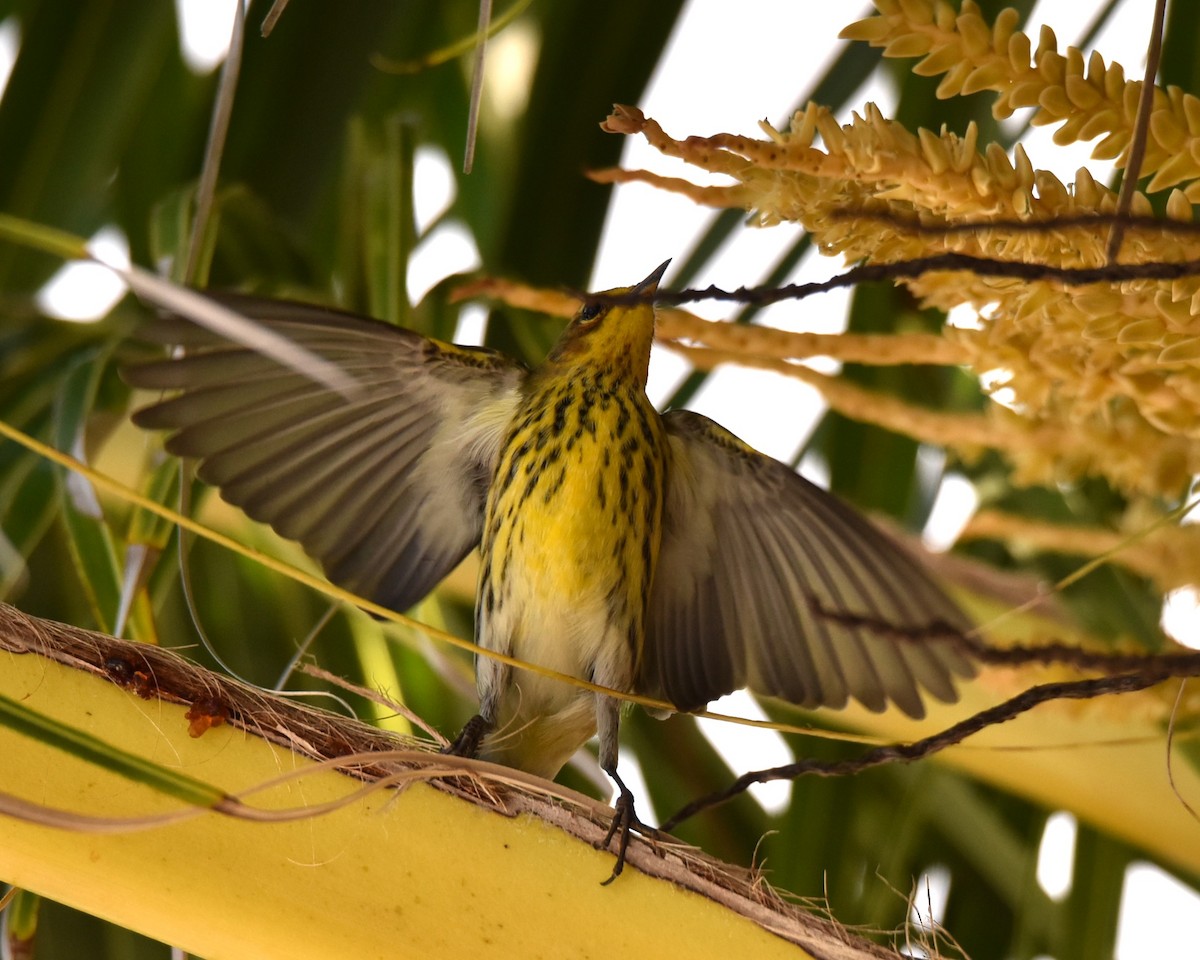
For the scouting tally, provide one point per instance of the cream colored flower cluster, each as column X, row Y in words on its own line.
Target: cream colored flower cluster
column 1110, row 371
column 1089, row 99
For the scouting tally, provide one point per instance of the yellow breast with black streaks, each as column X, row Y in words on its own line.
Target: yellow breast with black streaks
column 574, row 516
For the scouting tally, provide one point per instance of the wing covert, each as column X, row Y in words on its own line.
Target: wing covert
column 386, row 488
column 768, row 582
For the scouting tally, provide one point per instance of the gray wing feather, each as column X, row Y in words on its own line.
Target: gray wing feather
column 767, row 581
column 385, row 488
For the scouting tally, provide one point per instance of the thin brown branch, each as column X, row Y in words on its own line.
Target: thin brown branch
column 481, row 42
column 272, row 17
column 909, row 269
column 1141, row 129
column 912, row 224
column 214, row 149
column 919, row 749
column 1170, row 664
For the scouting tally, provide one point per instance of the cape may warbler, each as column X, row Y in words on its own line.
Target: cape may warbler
column 644, row 552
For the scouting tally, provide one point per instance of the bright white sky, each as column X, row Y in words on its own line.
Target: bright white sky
column 773, row 49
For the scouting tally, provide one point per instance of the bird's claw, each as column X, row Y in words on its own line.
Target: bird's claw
column 466, row 744
column 624, row 821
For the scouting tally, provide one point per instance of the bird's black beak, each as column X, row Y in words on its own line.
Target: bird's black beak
column 650, row 284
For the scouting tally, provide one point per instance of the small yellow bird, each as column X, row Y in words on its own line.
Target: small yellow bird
column 644, row 552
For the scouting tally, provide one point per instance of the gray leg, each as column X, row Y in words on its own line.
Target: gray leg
column 492, row 683
column 608, row 717
column 466, row 744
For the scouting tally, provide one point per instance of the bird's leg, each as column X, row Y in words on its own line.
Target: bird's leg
column 625, row 819
column 493, row 677
column 466, row 744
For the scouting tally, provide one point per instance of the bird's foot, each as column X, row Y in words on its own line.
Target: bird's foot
column 623, row 823
column 466, row 744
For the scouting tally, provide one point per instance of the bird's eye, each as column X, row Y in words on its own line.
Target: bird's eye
column 590, row 313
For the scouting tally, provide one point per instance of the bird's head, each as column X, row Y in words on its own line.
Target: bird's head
column 614, row 335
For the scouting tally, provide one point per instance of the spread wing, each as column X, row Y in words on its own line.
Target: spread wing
column 768, row 582
column 386, row 487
